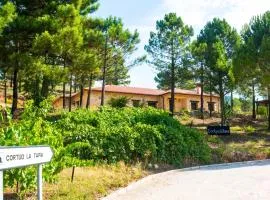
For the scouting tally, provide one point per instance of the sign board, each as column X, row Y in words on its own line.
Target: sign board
column 218, row 130
column 14, row 157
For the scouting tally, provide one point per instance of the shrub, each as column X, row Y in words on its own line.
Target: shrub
column 262, row 110
column 236, row 128
column 119, row 102
column 32, row 129
column 249, row 129
column 109, row 135
column 131, row 134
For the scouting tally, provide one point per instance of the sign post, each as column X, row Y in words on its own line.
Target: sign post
column 218, row 130
column 39, row 182
column 1, row 185
column 16, row 157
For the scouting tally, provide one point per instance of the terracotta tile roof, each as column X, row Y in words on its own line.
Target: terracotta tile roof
column 67, row 96
column 191, row 92
column 72, row 95
column 130, row 90
column 145, row 91
column 262, row 102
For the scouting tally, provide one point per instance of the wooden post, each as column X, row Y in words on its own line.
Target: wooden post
column 72, row 175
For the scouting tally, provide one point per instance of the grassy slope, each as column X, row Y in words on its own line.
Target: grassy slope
column 249, row 139
column 92, row 182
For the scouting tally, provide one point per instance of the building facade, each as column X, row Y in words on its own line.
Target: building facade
column 184, row 99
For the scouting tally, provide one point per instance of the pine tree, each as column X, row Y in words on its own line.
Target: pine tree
column 222, row 42
column 168, row 48
column 118, row 44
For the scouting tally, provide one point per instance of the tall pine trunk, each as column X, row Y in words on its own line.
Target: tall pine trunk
column 81, row 95
column 75, row 85
column 222, row 108
column 45, row 83
column 211, row 98
column 45, row 87
column 36, row 92
column 70, row 94
column 253, row 101
column 103, row 86
column 20, row 86
column 232, row 104
column 15, row 91
column 172, row 102
column 268, row 107
column 64, row 88
column 5, row 88
column 222, row 102
column 104, row 72
column 89, row 92
column 202, row 90
column 11, row 81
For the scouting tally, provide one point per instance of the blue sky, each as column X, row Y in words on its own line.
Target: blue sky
column 142, row 15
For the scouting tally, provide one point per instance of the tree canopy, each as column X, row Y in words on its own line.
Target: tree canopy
column 168, row 50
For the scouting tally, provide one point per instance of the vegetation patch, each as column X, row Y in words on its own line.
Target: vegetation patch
column 104, row 137
column 93, row 182
column 130, row 134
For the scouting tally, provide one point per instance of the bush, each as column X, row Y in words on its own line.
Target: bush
column 109, row 135
column 119, row 102
column 32, row 129
column 130, row 134
column 249, row 129
column 262, row 110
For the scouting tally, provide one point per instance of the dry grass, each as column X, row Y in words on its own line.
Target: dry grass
column 249, row 140
column 92, row 182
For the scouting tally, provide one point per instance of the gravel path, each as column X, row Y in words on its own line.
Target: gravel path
column 245, row 181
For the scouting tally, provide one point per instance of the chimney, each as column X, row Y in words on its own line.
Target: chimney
column 198, row 88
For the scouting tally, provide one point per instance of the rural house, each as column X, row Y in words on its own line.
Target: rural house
column 184, row 99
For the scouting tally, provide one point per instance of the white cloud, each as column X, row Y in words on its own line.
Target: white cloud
column 198, row 12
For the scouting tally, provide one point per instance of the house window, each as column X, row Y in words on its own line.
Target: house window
column 76, row 103
column 194, row 105
column 211, row 106
column 152, row 103
column 136, row 103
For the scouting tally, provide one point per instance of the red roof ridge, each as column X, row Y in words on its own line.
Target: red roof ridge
column 145, row 91
column 130, row 89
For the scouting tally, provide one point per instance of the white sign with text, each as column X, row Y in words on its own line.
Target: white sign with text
column 13, row 157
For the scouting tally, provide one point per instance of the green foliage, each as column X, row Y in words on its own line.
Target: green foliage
column 117, row 44
column 242, row 105
column 237, row 105
column 7, row 14
column 32, row 129
column 130, row 134
column 78, row 150
column 168, row 50
column 246, row 104
column 249, row 129
column 252, row 63
column 118, row 102
column 262, row 110
column 221, row 42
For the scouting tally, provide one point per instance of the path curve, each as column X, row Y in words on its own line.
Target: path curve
column 235, row 181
